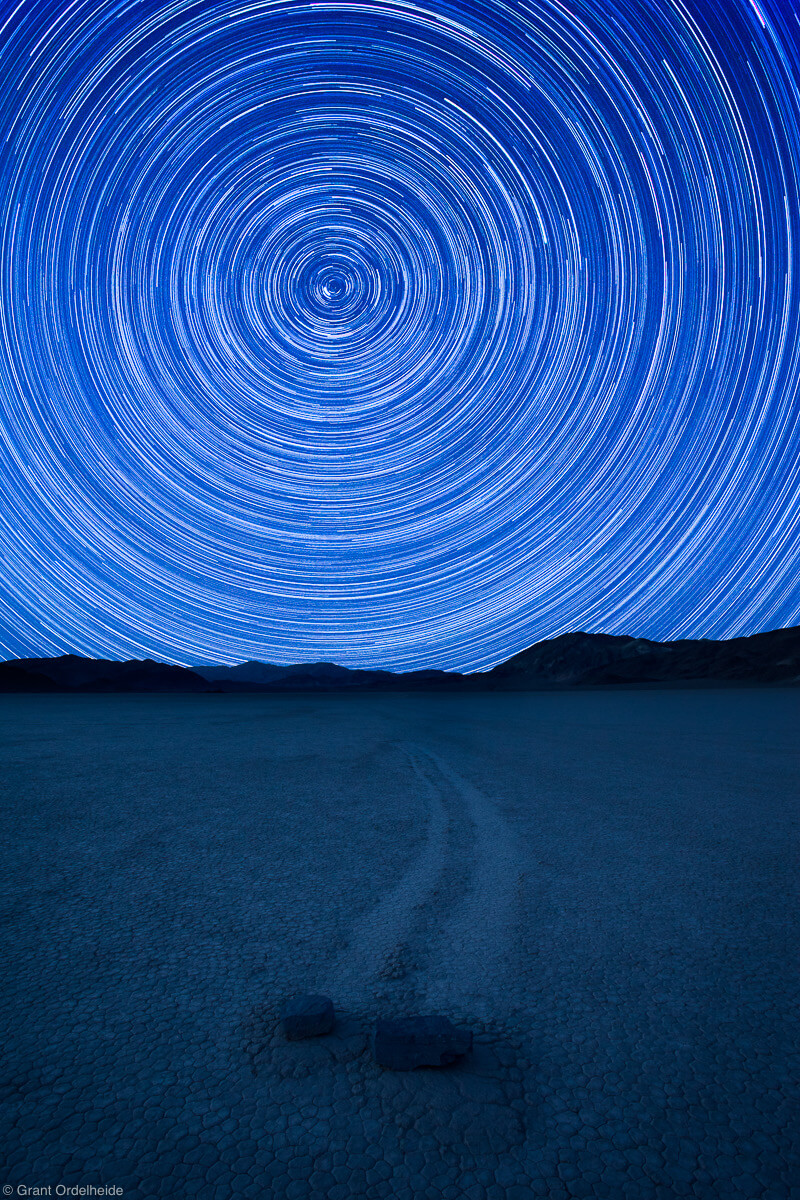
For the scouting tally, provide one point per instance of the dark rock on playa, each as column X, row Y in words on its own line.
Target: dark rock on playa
column 307, row 1017
column 419, row 1042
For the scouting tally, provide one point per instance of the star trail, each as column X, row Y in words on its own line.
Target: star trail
column 399, row 334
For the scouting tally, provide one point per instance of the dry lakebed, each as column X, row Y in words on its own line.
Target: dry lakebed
column 599, row 886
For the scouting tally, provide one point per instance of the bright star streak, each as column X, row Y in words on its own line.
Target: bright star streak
column 398, row 334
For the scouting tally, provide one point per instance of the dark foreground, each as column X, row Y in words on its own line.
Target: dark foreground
column 602, row 886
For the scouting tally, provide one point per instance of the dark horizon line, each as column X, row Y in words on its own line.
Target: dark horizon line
column 195, row 666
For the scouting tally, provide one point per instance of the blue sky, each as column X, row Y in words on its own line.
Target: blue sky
column 397, row 335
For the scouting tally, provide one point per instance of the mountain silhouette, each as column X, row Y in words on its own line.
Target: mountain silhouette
column 569, row 660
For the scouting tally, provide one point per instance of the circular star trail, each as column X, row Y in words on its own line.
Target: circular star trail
column 403, row 335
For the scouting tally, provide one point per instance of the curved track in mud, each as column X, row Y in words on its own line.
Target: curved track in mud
column 443, row 937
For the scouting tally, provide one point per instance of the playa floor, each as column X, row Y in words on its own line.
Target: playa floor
column 602, row 886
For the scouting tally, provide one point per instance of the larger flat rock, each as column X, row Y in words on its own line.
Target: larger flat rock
column 307, row 1016
column 412, row 1042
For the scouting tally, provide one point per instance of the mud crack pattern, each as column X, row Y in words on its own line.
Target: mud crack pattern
column 615, row 924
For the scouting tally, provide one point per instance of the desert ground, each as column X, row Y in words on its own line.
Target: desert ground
column 600, row 885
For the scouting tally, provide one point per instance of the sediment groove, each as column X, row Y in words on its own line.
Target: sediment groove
column 444, row 936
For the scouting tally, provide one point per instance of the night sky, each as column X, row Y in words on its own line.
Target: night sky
column 397, row 335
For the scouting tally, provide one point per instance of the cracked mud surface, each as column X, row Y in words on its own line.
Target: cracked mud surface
column 600, row 885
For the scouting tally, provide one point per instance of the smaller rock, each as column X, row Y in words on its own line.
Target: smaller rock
column 307, row 1017
column 419, row 1042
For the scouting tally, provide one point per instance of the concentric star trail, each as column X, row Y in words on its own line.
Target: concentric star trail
column 397, row 334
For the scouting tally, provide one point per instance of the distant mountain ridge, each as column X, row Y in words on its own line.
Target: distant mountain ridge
column 71, row 673
column 570, row 660
column 585, row 659
column 323, row 673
